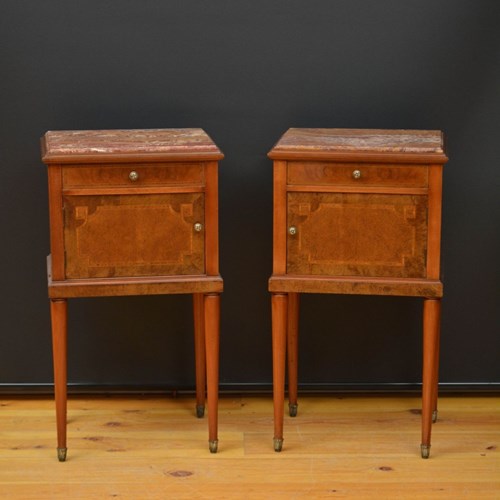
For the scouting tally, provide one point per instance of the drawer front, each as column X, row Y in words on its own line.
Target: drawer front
column 351, row 234
column 137, row 235
column 356, row 174
column 132, row 175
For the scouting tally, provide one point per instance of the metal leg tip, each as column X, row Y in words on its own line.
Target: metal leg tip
column 278, row 444
column 434, row 416
column 200, row 411
column 213, row 445
column 61, row 454
column 425, row 450
column 292, row 409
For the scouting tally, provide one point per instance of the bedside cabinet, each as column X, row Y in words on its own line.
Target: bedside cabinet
column 355, row 212
column 135, row 212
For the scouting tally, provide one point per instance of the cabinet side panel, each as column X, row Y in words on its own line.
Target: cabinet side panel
column 434, row 235
column 56, row 221
column 212, row 218
column 280, row 218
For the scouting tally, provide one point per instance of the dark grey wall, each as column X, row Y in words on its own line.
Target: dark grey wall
column 246, row 71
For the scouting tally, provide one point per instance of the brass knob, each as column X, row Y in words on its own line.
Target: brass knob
column 356, row 174
column 292, row 230
column 133, row 176
column 198, row 227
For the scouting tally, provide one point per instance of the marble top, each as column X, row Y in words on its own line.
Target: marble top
column 68, row 143
column 360, row 140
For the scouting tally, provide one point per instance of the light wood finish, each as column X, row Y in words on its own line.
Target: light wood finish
column 134, row 212
column 357, row 212
column 342, row 446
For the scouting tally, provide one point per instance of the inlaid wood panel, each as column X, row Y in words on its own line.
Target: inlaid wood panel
column 137, row 235
column 346, row 234
column 319, row 173
column 172, row 174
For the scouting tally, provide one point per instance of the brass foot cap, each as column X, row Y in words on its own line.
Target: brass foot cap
column 61, row 454
column 425, row 450
column 200, row 411
column 213, row 445
column 292, row 409
column 278, row 444
column 434, row 416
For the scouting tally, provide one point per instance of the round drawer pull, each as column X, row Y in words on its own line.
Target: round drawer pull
column 198, row 227
column 133, row 176
column 292, row 230
column 356, row 174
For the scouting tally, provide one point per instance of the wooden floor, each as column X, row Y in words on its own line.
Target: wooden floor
column 337, row 447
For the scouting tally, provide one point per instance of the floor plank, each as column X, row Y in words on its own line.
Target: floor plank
column 131, row 447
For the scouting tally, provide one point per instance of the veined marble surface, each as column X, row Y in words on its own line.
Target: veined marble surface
column 377, row 141
column 82, row 142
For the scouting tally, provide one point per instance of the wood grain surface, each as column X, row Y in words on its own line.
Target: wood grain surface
column 339, row 446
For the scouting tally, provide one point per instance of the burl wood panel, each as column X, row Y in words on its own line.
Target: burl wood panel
column 345, row 234
column 77, row 176
column 324, row 173
column 138, row 235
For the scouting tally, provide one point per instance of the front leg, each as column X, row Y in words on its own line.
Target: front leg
column 279, row 325
column 212, row 327
column 432, row 313
column 199, row 352
column 59, row 317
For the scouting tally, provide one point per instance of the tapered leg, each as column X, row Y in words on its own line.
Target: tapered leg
column 199, row 352
column 212, row 327
column 435, row 382
column 59, row 314
column 432, row 310
column 293, row 351
column 279, row 324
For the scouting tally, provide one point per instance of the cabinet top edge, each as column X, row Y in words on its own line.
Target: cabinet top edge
column 67, row 146
column 324, row 142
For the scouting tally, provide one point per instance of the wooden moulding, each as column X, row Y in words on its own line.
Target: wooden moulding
column 356, row 286
column 156, row 285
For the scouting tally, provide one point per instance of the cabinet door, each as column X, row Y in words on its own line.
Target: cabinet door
column 351, row 234
column 134, row 235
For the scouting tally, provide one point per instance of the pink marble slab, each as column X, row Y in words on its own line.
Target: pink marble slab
column 68, row 143
column 360, row 140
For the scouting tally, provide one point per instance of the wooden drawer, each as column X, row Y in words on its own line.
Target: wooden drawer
column 132, row 175
column 317, row 173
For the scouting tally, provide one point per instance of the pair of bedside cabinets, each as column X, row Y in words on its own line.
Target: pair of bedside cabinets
column 135, row 212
